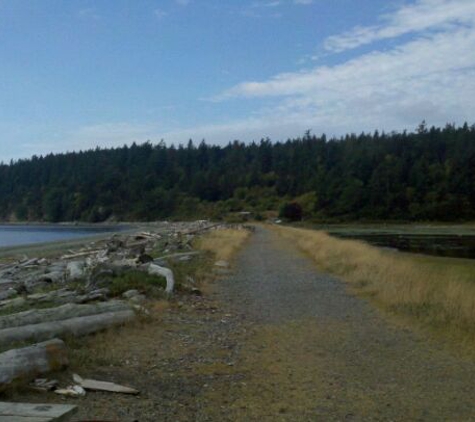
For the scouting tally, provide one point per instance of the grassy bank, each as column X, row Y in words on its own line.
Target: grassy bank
column 223, row 244
column 435, row 292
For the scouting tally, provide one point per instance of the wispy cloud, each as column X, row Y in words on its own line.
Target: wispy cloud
column 160, row 13
column 304, row 2
column 88, row 13
column 420, row 16
column 429, row 77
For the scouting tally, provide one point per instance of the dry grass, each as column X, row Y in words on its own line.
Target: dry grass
column 438, row 292
column 223, row 243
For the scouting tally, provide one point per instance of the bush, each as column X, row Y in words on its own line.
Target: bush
column 291, row 211
column 150, row 285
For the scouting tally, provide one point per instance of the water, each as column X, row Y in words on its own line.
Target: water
column 14, row 235
column 448, row 245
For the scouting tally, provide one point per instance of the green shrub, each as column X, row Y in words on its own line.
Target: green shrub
column 150, row 285
column 291, row 211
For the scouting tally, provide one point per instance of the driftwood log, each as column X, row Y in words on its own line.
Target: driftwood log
column 36, row 316
column 78, row 326
column 29, row 362
column 155, row 269
column 29, row 412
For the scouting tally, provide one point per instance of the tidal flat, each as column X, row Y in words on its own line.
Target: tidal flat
column 442, row 240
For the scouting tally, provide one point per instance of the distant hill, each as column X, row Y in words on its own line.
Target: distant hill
column 425, row 175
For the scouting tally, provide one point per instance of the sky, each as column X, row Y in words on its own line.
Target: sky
column 76, row 74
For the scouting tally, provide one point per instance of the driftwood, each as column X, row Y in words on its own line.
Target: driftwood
column 29, row 362
column 155, row 269
column 90, row 384
column 79, row 326
column 177, row 256
column 36, row 316
column 202, row 229
column 28, row 412
column 81, row 254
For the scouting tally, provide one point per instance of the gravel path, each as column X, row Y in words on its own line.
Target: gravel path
column 318, row 353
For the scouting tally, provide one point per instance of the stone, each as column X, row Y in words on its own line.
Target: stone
column 221, row 264
column 130, row 293
column 138, row 299
column 52, row 277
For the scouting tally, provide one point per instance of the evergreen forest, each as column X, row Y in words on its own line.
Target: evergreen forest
column 425, row 175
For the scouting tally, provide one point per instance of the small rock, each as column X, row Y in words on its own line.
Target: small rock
column 221, row 264
column 130, row 294
column 52, row 277
column 138, row 299
column 196, row 291
column 72, row 391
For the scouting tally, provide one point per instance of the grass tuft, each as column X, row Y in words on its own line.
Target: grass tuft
column 150, row 285
column 223, row 244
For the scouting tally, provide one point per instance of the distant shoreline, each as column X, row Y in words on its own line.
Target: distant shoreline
column 53, row 247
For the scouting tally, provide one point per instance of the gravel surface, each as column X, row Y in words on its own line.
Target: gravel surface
column 319, row 353
column 274, row 341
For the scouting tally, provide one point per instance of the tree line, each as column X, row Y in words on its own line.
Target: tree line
column 428, row 174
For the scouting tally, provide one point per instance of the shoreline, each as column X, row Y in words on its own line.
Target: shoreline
column 50, row 248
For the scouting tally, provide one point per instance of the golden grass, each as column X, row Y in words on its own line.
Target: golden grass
column 438, row 292
column 223, row 243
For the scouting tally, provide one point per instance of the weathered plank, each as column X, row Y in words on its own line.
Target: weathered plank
column 10, row 418
column 26, row 412
column 90, row 384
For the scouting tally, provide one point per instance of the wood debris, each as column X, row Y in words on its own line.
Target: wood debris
column 90, row 384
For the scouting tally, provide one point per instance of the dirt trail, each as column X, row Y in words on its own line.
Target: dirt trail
column 317, row 353
column 275, row 341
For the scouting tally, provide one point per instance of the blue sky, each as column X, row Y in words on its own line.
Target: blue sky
column 77, row 74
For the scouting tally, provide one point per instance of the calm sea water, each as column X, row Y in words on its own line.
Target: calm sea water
column 27, row 235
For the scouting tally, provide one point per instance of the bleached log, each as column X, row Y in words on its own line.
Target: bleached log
column 29, row 362
column 79, row 326
column 155, row 269
column 36, row 316
column 174, row 256
column 81, row 254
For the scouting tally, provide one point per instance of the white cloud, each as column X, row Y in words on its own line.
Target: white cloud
column 420, row 16
column 105, row 135
column 159, row 13
column 88, row 13
column 430, row 77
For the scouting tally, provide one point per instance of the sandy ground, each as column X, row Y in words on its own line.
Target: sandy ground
column 274, row 341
